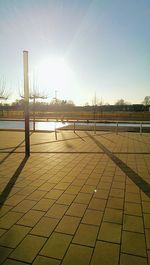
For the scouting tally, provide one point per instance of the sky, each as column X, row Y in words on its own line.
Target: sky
column 79, row 48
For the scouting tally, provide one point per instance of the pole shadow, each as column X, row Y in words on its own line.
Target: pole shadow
column 136, row 178
column 12, row 182
column 13, row 150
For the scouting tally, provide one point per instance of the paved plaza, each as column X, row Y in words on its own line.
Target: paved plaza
column 83, row 199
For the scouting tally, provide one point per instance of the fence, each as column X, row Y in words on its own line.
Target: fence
column 86, row 115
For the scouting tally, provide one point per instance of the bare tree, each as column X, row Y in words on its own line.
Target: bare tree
column 121, row 102
column 3, row 91
column 101, row 103
column 34, row 94
column 146, row 101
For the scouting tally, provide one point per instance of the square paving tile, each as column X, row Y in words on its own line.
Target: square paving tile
column 148, row 257
column 62, row 186
column 56, row 245
column 97, row 204
column 146, row 207
column 9, row 219
column 76, row 209
column 147, row 220
column 46, row 186
column 57, row 211
column 2, row 231
column 14, row 200
column 83, row 198
column 28, row 248
column 45, row 261
column 36, row 195
column 4, row 210
column 13, row 236
column 54, row 194
column 104, row 185
column 44, row 227
column 73, row 190
column 13, row 262
column 66, row 199
column 77, row 255
column 118, row 193
column 130, row 260
column 133, row 243
column 115, row 203
column 132, row 197
column 105, row 253
column 101, row 194
column 92, row 217
column 24, row 206
column 133, row 223
column 147, row 232
column 4, row 253
column 113, row 215
column 88, row 189
column 110, row 232
column 68, row 225
column 31, row 218
column 86, row 235
column 133, row 208
column 44, row 204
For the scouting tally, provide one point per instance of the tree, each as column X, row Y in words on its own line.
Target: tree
column 120, row 102
column 70, row 102
column 146, row 101
column 3, row 92
column 34, row 94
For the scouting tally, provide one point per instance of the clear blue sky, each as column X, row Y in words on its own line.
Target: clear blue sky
column 104, row 43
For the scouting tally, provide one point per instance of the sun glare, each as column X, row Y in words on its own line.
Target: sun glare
column 53, row 73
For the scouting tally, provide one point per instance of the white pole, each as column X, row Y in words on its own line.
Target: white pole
column 26, row 99
column 141, row 128
column 55, row 131
column 95, row 127
column 117, row 128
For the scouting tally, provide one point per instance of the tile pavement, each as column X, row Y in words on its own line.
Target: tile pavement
column 70, row 204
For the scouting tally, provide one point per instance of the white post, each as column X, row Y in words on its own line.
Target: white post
column 141, row 128
column 26, row 101
column 55, row 131
column 95, row 127
column 117, row 128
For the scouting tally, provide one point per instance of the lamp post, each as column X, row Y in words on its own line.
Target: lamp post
column 26, row 103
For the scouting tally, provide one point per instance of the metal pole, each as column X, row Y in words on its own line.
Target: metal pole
column 95, row 127
column 117, row 128
column 141, row 128
column 26, row 102
column 34, row 113
column 55, row 131
column 74, row 127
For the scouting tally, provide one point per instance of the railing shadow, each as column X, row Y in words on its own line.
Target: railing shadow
column 135, row 177
column 12, row 182
column 13, row 150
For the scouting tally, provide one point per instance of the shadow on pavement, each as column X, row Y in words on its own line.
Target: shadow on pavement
column 137, row 179
column 12, row 182
column 13, row 150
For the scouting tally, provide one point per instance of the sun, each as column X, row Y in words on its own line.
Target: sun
column 54, row 73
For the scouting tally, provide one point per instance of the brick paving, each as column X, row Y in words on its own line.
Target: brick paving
column 81, row 200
